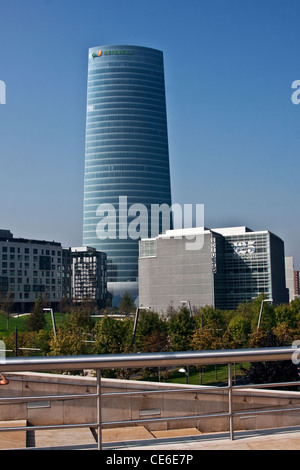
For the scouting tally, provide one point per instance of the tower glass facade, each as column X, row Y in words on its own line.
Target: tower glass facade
column 126, row 154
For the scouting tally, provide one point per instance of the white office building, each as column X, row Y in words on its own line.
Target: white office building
column 219, row 267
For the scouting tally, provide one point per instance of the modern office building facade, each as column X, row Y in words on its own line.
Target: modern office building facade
column 88, row 275
column 234, row 265
column 253, row 263
column 292, row 278
column 126, row 154
column 30, row 269
column 297, row 284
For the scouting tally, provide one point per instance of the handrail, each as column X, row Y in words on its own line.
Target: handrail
column 137, row 360
column 142, row 360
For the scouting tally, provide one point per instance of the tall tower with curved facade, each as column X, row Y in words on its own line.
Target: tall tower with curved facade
column 126, row 156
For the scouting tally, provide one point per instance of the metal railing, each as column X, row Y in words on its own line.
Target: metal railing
column 145, row 360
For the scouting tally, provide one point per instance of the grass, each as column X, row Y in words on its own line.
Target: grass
column 211, row 375
column 20, row 323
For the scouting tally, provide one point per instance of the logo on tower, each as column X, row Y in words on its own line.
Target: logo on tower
column 97, row 54
column 2, row 92
column 244, row 248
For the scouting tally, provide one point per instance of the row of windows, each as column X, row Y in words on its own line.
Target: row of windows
column 246, row 280
column 147, row 248
column 127, row 78
column 97, row 197
column 106, row 108
column 27, row 258
column 21, row 271
column 116, row 126
column 126, row 82
column 129, row 171
column 118, row 247
column 16, row 249
column 127, row 165
column 97, row 179
column 36, row 281
column 125, row 131
column 132, row 197
column 123, row 119
column 106, row 62
column 128, row 68
column 140, row 184
column 259, row 262
column 137, row 110
column 121, row 180
column 27, row 296
column 259, row 269
column 147, row 155
column 98, row 149
column 124, row 140
column 121, row 248
column 102, row 99
column 240, row 296
column 90, row 212
column 113, row 90
column 96, row 100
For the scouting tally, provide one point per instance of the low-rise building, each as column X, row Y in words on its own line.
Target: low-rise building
column 33, row 268
column 29, row 269
column 223, row 268
column 88, row 275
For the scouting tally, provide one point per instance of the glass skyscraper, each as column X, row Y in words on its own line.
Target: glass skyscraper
column 126, row 155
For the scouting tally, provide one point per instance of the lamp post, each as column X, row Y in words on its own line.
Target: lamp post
column 183, row 371
column 136, row 322
column 261, row 310
column 189, row 305
column 53, row 319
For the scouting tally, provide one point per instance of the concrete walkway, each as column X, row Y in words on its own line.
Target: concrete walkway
column 139, row 438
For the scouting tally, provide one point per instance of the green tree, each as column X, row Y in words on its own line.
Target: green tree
column 286, row 314
column 181, row 328
column 69, row 341
column 205, row 339
column 36, row 320
column 211, row 318
column 127, row 304
column 239, row 329
column 30, row 343
column 251, row 310
column 81, row 318
column 112, row 336
column 152, row 333
column 270, row 371
column 295, row 308
column 6, row 305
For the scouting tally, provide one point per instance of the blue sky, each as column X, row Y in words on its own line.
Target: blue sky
column 234, row 133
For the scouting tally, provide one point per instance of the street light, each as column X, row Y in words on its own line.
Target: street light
column 189, row 305
column 136, row 322
column 53, row 319
column 261, row 310
column 183, row 371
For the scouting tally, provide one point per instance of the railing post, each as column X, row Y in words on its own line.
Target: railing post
column 99, row 414
column 230, row 404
